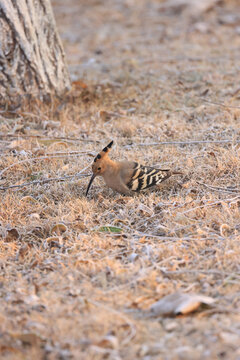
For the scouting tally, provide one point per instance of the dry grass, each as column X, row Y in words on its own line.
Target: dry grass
column 76, row 292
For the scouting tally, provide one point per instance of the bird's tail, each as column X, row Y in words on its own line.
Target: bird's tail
column 176, row 173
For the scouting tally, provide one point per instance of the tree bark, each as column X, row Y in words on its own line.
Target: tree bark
column 32, row 59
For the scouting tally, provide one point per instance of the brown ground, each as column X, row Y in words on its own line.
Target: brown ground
column 74, row 292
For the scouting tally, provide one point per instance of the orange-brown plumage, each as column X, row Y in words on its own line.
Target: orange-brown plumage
column 126, row 177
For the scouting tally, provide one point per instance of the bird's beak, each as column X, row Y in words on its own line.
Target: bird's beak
column 90, row 183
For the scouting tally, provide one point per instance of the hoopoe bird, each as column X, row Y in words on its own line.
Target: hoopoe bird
column 126, row 177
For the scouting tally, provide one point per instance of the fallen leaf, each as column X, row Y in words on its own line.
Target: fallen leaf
column 109, row 342
column 28, row 338
column 52, row 238
column 79, row 84
column 179, row 303
column 113, row 229
column 58, row 145
column 29, row 199
column 12, row 234
column 47, row 142
column 145, row 210
column 225, row 230
column 59, row 229
column 104, row 115
column 34, row 216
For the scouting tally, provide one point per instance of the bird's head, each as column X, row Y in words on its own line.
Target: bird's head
column 99, row 164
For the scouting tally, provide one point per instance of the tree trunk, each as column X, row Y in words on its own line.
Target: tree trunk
column 31, row 54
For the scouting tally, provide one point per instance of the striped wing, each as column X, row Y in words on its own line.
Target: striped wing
column 144, row 177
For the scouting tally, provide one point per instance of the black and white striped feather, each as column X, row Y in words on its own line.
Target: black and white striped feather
column 144, row 177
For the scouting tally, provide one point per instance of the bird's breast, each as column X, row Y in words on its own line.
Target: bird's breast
column 116, row 184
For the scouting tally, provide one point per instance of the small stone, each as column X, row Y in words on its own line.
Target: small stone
column 171, row 325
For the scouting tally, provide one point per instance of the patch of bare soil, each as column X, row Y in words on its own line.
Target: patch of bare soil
column 79, row 275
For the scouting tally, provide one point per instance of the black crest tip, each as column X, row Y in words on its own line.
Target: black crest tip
column 97, row 157
column 110, row 144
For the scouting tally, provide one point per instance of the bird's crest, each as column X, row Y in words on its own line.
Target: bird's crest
column 99, row 164
column 104, row 152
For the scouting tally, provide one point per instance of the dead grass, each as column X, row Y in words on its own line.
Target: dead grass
column 77, row 292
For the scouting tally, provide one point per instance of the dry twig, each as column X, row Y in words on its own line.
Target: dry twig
column 218, row 188
column 194, row 142
column 44, row 181
column 220, row 104
column 41, row 158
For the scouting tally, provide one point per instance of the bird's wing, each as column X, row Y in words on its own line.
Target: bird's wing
column 144, row 177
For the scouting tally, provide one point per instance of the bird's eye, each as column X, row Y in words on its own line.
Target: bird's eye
column 99, row 168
